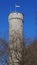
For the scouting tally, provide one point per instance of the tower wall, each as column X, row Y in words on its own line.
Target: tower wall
column 15, row 37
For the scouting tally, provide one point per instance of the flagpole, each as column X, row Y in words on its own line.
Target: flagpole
column 15, row 7
column 10, row 8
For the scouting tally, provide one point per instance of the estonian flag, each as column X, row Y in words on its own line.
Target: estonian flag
column 17, row 6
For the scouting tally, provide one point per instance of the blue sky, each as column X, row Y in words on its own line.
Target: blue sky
column 28, row 7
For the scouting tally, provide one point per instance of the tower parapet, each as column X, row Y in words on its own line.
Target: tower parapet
column 15, row 15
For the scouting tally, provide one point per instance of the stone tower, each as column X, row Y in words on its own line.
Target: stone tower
column 15, row 38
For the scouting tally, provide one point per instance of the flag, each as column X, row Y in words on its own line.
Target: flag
column 17, row 6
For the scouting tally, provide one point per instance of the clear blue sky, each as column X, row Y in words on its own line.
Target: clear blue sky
column 28, row 7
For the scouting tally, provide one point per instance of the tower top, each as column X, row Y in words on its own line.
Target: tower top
column 16, row 15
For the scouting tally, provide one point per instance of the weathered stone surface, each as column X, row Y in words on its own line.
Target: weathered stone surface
column 15, row 38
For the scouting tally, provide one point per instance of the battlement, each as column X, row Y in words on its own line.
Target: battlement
column 16, row 15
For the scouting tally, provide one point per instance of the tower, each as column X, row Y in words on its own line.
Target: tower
column 15, row 38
